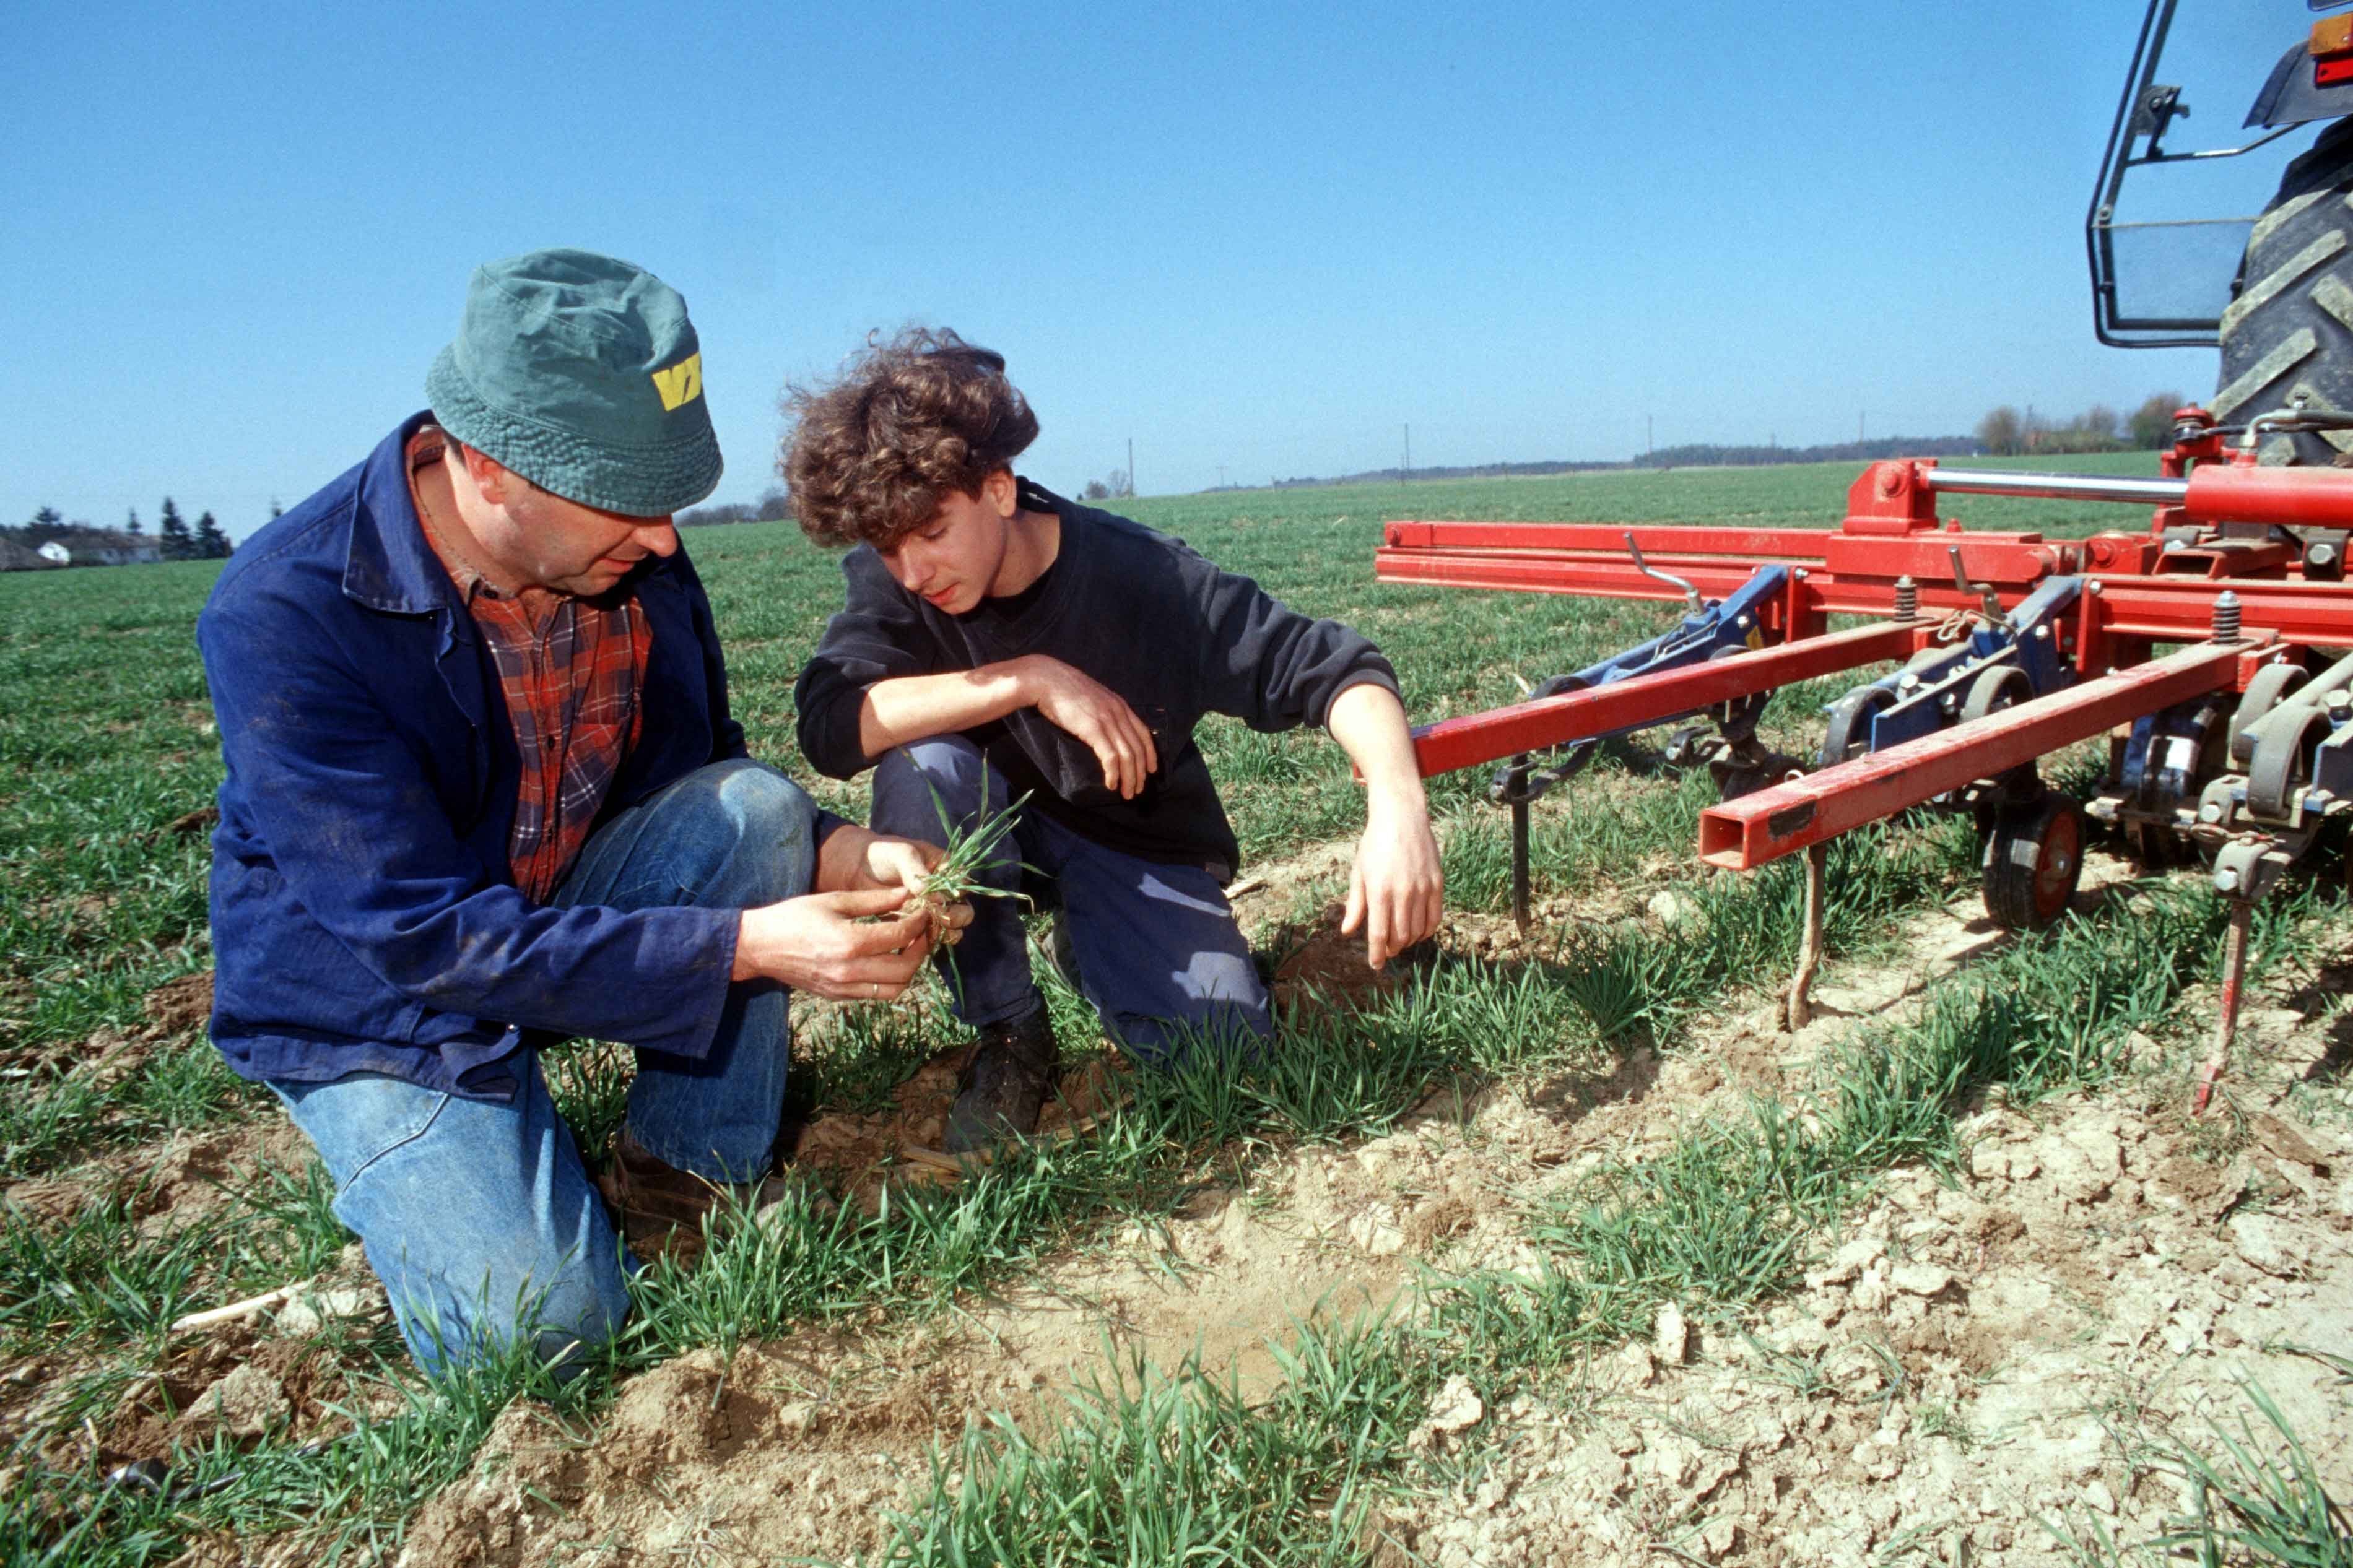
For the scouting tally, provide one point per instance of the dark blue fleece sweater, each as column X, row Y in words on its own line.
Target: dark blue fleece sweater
column 1158, row 624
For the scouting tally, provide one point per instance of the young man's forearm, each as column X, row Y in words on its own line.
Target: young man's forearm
column 1369, row 725
column 917, row 707
column 1397, row 890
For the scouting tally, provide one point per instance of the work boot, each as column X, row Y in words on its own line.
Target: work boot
column 1003, row 1086
column 661, row 1207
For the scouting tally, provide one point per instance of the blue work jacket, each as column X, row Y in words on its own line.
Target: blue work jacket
column 364, row 917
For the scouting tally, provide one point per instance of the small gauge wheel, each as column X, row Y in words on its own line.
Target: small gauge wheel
column 2278, row 773
column 2005, row 686
column 2034, row 859
column 2270, row 683
column 1993, row 690
column 1848, row 735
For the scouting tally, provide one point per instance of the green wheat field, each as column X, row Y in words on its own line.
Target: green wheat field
column 108, row 756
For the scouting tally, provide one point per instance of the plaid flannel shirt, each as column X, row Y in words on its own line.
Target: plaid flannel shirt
column 571, row 669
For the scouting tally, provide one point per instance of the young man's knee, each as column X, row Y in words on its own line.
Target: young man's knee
column 927, row 787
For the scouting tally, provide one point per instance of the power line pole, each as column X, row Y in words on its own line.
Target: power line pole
column 1858, row 424
column 1130, row 465
column 1409, row 455
column 1221, row 476
column 1649, row 441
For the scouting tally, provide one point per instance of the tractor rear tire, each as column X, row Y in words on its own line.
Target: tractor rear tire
column 2034, row 859
column 2289, row 328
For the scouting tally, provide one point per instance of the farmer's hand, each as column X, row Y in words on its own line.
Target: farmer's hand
column 1078, row 702
column 1395, row 890
column 824, row 942
column 908, row 863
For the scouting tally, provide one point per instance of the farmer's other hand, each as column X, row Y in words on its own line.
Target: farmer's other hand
column 832, row 944
column 1396, row 891
column 1074, row 701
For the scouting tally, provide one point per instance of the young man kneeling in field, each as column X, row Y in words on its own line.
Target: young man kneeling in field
column 999, row 641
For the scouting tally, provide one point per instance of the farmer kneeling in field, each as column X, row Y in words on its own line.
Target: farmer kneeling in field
column 999, row 642
column 484, row 794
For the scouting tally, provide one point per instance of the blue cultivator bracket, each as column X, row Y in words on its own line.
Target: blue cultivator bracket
column 1730, row 627
column 2006, row 660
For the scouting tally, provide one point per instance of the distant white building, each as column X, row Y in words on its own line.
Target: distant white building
column 55, row 552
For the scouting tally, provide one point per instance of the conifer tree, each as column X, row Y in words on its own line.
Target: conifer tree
column 212, row 544
column 133, row 527
column 178, row 545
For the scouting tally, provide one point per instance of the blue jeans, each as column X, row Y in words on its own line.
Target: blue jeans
column 479, row 1216
column 1157, row 950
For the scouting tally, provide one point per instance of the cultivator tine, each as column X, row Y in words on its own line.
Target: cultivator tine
column 2226, row 1024
column 1520, row 865
column 1799, row 1011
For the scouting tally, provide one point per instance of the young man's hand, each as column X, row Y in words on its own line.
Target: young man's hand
column 890, row 862
column 828, row 944
column 1396, row 891
column 1073, row 701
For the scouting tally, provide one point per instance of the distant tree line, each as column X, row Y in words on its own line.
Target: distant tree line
column 2099, row 428
column 1698, row 454
column 174, row 540
column 771, row 506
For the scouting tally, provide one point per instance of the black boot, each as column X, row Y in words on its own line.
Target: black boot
column 1003, row 1087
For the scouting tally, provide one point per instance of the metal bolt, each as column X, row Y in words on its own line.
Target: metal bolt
column 2210, row 812
column 2043, row 633
column 1909, row 680
column 2093, row 586
column 2226, row 617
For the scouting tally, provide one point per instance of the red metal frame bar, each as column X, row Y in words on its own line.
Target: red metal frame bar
column 1743, row 833
column 2162, row 609
column 1639, row 700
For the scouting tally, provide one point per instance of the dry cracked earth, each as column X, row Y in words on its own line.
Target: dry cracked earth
column 1978, row 1365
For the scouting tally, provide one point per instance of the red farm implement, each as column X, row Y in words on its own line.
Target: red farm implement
column 2208, row 649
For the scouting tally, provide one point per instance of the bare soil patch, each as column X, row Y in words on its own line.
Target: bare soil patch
column 1967, row 1356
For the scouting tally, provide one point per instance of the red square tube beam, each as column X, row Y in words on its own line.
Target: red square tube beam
column 1640, row 700
column 1741, row 835
column 1540, row 574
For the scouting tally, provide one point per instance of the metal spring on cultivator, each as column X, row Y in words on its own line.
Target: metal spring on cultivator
column 2233, row 749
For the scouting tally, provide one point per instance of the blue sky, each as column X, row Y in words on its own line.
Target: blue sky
column 1258, row 240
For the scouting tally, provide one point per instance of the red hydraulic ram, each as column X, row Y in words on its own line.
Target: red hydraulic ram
column 1743, row 833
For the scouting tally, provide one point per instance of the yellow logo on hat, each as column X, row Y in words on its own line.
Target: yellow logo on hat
column 679, row 384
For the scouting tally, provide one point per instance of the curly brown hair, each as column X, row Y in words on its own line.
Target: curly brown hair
column 868, row 458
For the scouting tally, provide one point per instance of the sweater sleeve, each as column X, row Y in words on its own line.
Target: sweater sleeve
column 1270, row 666
column 878, row 635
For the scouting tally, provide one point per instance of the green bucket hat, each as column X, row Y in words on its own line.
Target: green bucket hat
column 581, row 374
